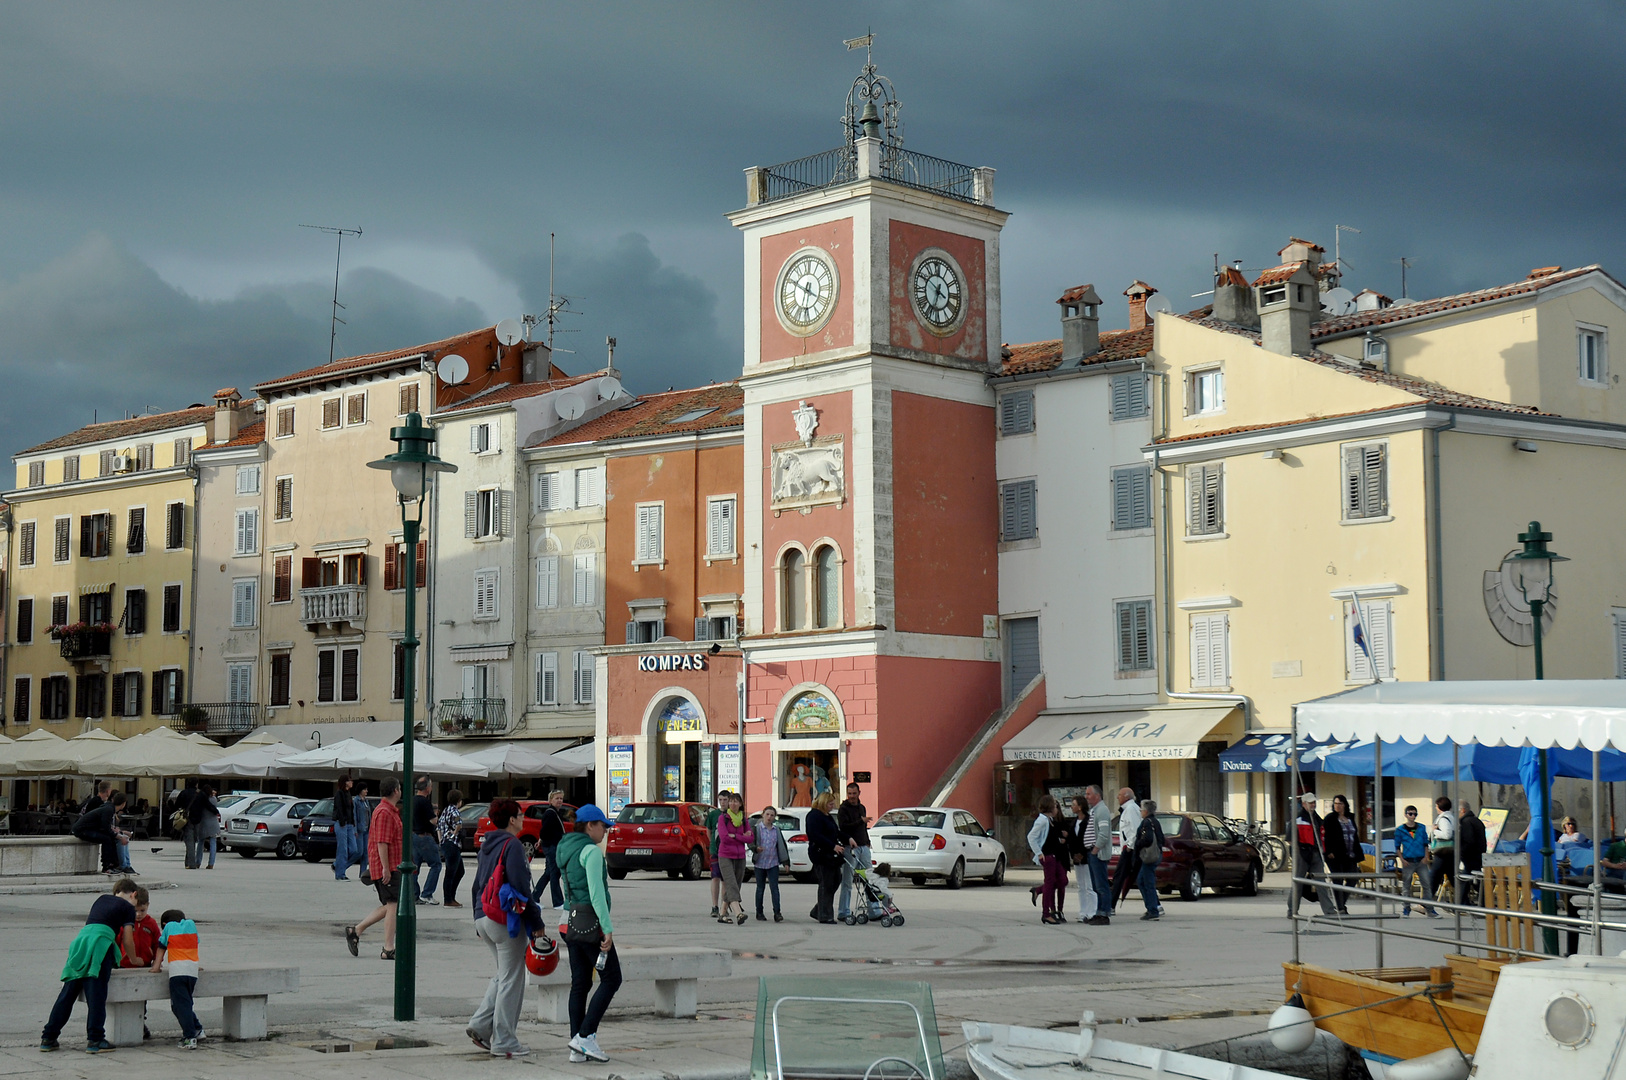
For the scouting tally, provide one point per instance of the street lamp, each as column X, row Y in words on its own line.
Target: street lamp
column 409, row 468
column 1532, row 572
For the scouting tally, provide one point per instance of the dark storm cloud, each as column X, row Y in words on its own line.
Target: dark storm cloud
column 1131, row 142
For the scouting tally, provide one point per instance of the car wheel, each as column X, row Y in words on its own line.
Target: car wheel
column 1192, row 887
column 617, row 875
column 918, row 880
column 529, row 845
column 956, row 876
column 311, row 856
column 998, row 876
column 247, row 853
column 1250, row 885
column 695, row 867
column 287, row 847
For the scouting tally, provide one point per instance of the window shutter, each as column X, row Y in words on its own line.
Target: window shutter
column 632, row 633
column 1016, row 413
column 1126, row 634
column 84, row 537
column 356, row 405
column 471, row 513
column 349, row 674
column 118, row 696
column 1122, row 499
column 584, row 678
column 26, row 552
column 177, row 691
column 310, row 573
column 1017, row 520
column 135, row 538
column 175, row 527
column 1201, row 671
column 547, row 581
column 1374, row 494
column 1142, row 613
column 475, row 431
column 505, row 524
column 420, row 565
column 702, row 629
column 586, row 583
column 549, row 678
column 324, row 675
column 392, row 566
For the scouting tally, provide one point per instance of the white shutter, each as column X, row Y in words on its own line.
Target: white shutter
column 547, row 678
column 1201, row 673
column 547, row 581
column 248, row 522
column 504, row 513
column 1620, row 647
column 1377, row 617
column 587, row 493
column 494, row 434
column 242, row 603
column 585, row 586
column 1210, row 656
column 720, row 528
column 649, row 534
column 471, row 513
column 584, row 678
column 241, row 544
column 485, row 594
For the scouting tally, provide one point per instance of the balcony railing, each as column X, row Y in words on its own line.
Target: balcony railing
column 85, row 643
column 334, row 604
column 472, row 716
column 218, row 717
column 840, row 166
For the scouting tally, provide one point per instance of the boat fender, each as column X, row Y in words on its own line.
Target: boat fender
column 1445, row 1064
column 1292, row 1028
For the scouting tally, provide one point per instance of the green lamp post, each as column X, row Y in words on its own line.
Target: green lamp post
column 1532, row 571
column 409, row 468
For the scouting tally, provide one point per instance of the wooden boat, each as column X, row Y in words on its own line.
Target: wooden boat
column 1003, row 1052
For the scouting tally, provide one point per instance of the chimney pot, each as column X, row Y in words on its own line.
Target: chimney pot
column 228, row 414
column 1080, row 323
column 1138, row 292
column 1287, row 300
column 1233, row 299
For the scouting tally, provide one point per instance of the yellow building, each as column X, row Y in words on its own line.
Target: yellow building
column 100, row 540
column 1388, row 456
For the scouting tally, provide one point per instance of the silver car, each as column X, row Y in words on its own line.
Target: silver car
column 937, row 842
column 269, row 823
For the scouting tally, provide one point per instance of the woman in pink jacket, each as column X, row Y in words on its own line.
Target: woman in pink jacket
column 733, row 836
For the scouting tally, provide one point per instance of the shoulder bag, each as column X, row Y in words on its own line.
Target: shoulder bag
column 1148, row 851
column 581, row 924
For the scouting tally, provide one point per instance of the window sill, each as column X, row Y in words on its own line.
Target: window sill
column 1018, row 545
column 245, row 555
column 487, row 618
column 637, row 564
column 1367, row 520
column 1226, row 689
column 1202, row 538
column 1125, row 534
column 732, row 558
column 1138, row 673
column 487, row 538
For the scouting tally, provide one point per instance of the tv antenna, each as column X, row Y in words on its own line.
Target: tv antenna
column 340, row 234
column 1405, row 264
column 1338, row 232
column 558, row 306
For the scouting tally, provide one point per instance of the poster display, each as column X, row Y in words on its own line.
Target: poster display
column 672, row 783
column 620, row 770
column 728, row 766
column 707, row 795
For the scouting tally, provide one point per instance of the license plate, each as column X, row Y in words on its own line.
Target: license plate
column 640, row 851
column 898, row 845
column 239, row 826
column 320, row 828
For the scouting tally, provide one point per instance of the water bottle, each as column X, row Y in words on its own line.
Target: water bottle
column 603, row 958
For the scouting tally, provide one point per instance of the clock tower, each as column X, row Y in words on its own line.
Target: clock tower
column 869, row 516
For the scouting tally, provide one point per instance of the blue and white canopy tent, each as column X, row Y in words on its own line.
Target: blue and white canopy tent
column 1269, row 751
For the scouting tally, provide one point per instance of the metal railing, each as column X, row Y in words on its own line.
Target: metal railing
column 85, row 644
column 472, row 716
column 218, row 717
column 334, row 603
column 840, row 166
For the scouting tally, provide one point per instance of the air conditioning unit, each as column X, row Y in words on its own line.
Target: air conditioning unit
column 122, row 463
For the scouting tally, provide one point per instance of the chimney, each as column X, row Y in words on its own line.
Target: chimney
column 1080, row 323
column 1138, row 293
column 1287, row 300
column 1233, row 299
column 228, row 415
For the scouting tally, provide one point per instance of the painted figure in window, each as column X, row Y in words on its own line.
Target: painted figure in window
column 801, row 785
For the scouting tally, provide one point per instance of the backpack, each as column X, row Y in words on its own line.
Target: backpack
column 490, row 896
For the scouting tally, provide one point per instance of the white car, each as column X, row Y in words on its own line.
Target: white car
column 936, row 841
column 790, row 823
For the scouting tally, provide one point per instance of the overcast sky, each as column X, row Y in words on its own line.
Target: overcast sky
column 156, row 160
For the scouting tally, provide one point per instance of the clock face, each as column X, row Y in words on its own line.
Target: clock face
column 807, row 291
column 939, row 293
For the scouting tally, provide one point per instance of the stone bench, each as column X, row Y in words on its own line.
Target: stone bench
column 243, row 991
column 675, row 973
column 37, row 856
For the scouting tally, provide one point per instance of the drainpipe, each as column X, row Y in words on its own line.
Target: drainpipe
column 431, row 583
column 195, row 473
column 1437, row 556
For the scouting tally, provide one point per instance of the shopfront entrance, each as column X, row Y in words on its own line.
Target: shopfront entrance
column 808, row 759
column 680, row 728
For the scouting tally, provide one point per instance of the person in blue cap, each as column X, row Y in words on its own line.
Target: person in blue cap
column 590, row 935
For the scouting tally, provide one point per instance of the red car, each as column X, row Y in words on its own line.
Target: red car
column 660, row 836
column 1200, row 852
column 531, row 833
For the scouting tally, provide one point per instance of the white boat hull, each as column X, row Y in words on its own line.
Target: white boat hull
column 1004, row 1052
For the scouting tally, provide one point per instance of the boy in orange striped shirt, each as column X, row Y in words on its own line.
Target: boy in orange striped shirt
column 179, row 945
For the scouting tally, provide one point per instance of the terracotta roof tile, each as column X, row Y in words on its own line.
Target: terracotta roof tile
column 1487, row 406
column 517, row 391
column 1361, row 319
column 248, row 435
column 1046, row 355
column 1277, row 274
column 126, row 429
column 1230, row 275
column 654, row 414
column 339, row 367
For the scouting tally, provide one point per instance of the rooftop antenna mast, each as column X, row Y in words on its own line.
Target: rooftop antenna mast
column 1338, row 232
column 340, row 234
column 558, row 306
column 1405, row 264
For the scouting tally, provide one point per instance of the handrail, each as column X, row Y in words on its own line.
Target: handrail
column 1469, row 909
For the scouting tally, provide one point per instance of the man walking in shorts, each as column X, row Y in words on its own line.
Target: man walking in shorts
column 386, row 855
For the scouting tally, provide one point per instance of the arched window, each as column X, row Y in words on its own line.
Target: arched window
column 826, row 588
column 793, row 591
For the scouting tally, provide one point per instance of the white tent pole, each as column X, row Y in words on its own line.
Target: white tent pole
column 1597, row 857
column 1377, row 834
column 1456, row 834
column 1293, row 809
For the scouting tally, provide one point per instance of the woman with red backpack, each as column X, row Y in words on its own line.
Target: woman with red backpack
column 505, row 919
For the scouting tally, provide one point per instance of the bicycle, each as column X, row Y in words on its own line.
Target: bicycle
column 1272, row 849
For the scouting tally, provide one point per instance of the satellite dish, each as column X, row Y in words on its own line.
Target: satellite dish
column 452, row 369
column 1339, row 301
column 1157, row 303
column 570, row 406
column 609, row 388
column 509, row 332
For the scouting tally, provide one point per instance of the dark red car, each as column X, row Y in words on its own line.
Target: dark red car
column 1200, row 852
column 531, row 832
column 660, row 836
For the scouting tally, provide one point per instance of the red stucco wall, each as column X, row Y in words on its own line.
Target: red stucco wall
column 906, row 242
column 928, row 709
column 628, row 693
column 835, row 522
column 946, row 509
column 835, row 237
column 975, row 791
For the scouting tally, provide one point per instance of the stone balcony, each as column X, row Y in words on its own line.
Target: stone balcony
column 333, row 605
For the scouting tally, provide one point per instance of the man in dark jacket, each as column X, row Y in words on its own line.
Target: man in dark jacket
column 97, row 797
column 425, row 846
column 195, row 805
column 852, row 823
column 1307, row 833
column 344, row 828
column 1470, row 848
column 96, row 827
column 552, row 830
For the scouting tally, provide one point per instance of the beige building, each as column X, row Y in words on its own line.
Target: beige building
column 1378, row 466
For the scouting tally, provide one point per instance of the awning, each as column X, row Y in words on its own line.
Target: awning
column 1132, row 735
column 468, row 654
column 1569, row 713
column 1267, row 751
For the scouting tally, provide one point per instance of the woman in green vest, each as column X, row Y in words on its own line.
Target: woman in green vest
column 590, row 935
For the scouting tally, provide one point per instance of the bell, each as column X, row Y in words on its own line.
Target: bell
column 870, row 121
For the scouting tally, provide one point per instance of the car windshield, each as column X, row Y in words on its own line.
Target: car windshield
column 264, row 806
column 785, row 823
column 919, row 819
column 473, row 812
column 226, row 802
column 322, row 809
column 647, row 815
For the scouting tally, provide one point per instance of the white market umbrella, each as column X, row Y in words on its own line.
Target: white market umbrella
column 256, row 760
column 511, row 759
column 202, row 740
column 577, row 761
column 14, row 748
column 156, row 753
column 262, row 737
column 426, row 761
column 56, row 757
column 346, row 755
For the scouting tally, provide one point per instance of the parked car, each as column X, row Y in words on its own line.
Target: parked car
column 531, row 833
column 937, row 842
column 660, row 836
column 790, row 823
column 316, row 836
column 1200, row 851
column 269, row 823
column 472, row 813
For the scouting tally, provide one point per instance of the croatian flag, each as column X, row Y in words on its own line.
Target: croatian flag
column 1359, row 630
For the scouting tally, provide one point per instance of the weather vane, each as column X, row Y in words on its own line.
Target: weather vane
column 872, row 106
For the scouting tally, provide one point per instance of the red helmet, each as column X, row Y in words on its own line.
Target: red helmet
column 542, row 957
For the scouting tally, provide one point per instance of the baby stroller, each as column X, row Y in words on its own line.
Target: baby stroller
column 877, row 902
